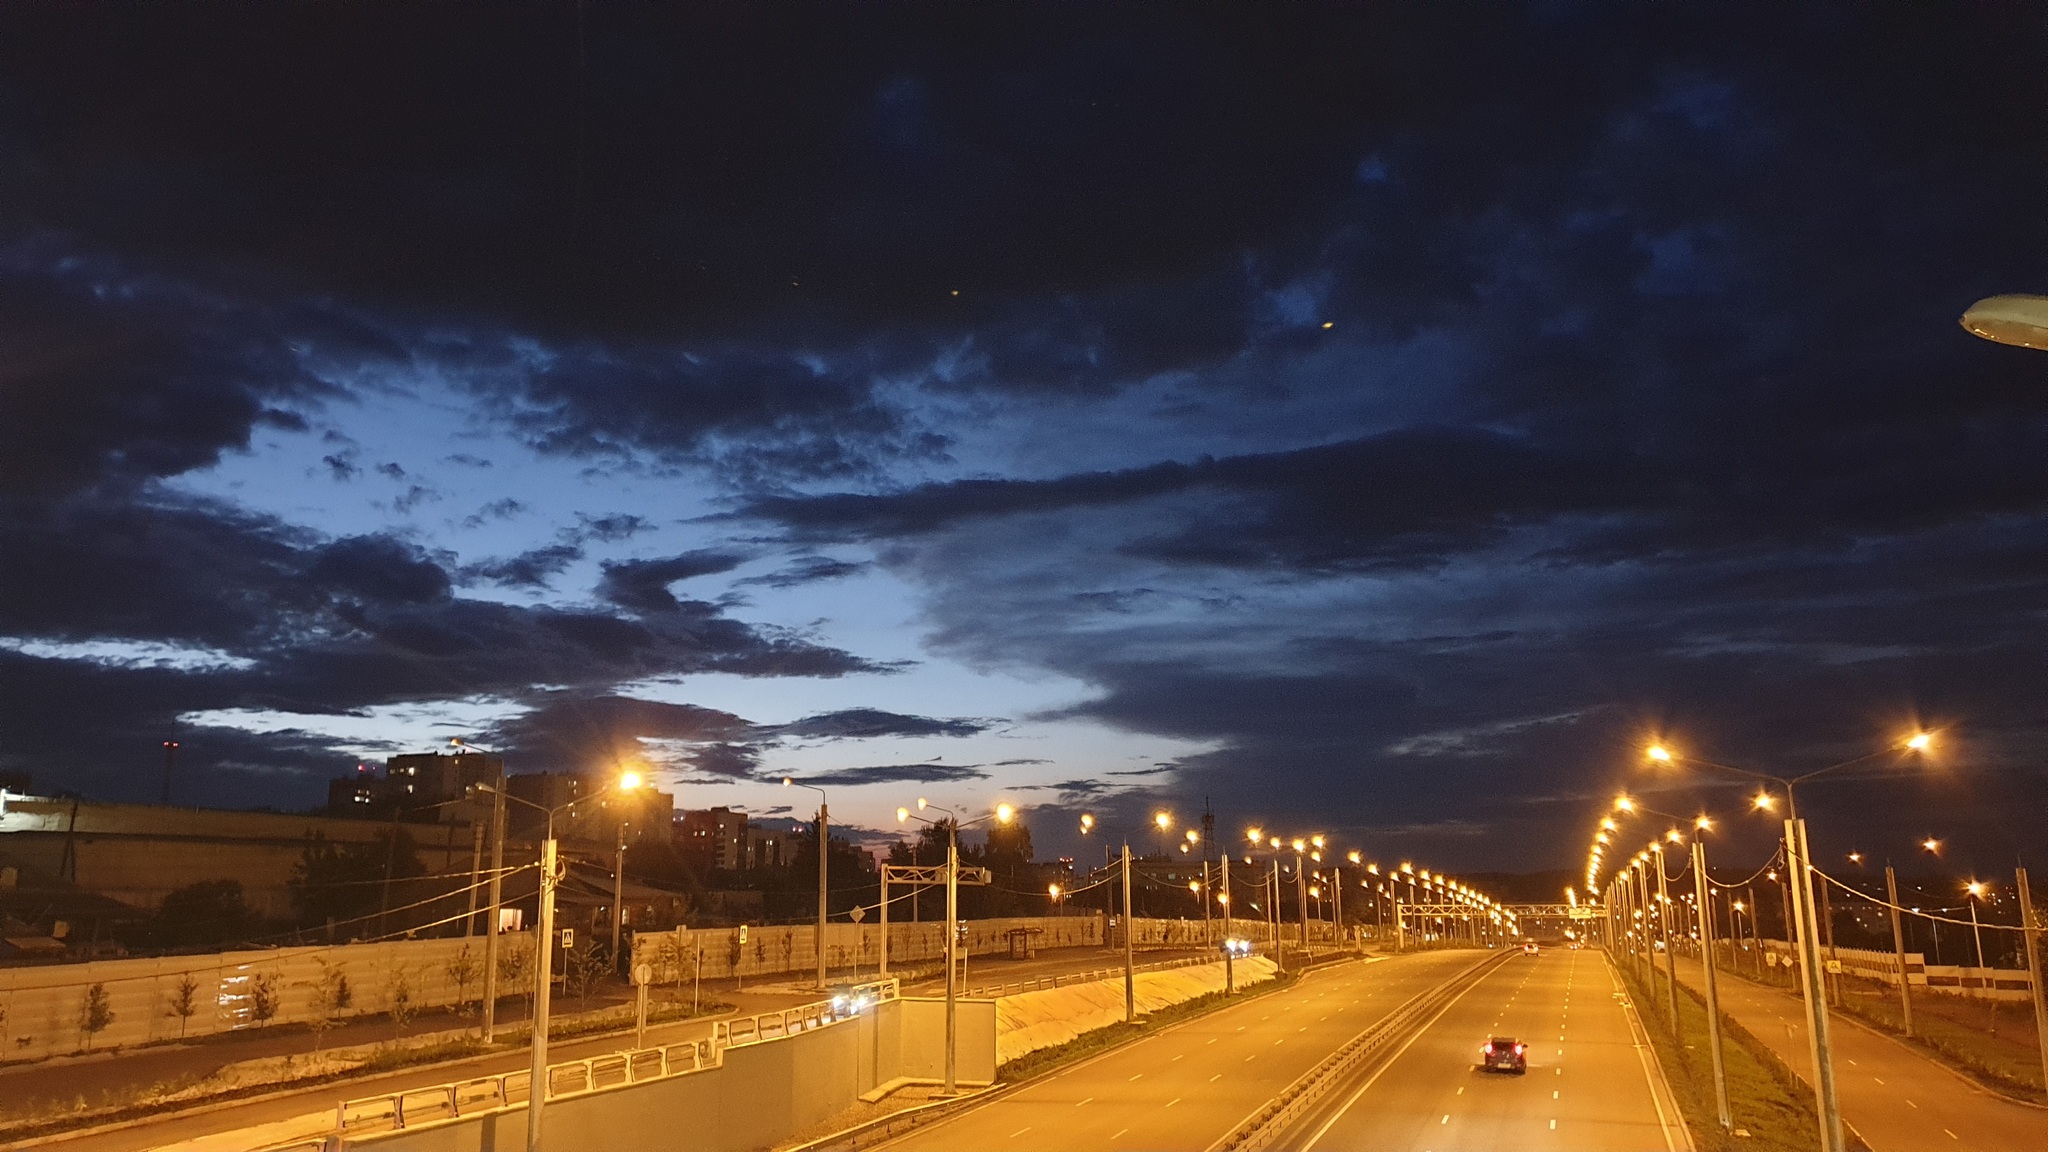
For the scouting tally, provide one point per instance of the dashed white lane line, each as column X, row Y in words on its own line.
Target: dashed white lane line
column 1553, row 1095
column 1553, row 1125
column 1172, row 1102
column 1912, row 1105
column 1137, row 1077
column 1952, row 1135
column 1019, row 1132
column 1252, row 1057
column 1446, row 1119
column 1120, row 1132
column 1077, row 1105
column 1461, row 1091
column 1182, row 1056
column 1216, row 1077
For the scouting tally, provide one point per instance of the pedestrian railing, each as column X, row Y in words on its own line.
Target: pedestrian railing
column 1069, row 979
column 398, row 1110
column 1266, row 1126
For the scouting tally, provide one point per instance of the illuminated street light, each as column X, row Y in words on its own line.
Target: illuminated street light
column 1931, row 845
column 1624, row 804
column 2018, row 320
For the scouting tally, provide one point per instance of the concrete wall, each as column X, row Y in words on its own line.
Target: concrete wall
column 974, row 1023
column 760, row 1096
column 1952, row 979
column 1029, row 1021
column 42, row 1008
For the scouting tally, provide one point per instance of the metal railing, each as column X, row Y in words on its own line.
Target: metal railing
column 1269, row 1123
column 398, row 1110
column 1064, row 980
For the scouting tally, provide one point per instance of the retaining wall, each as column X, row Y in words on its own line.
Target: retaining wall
column 1029, row 1021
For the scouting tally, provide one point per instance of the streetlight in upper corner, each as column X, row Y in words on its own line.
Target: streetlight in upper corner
column 2019, row 320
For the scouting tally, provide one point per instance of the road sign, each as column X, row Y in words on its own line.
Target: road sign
column 643, row 974
column 858, row 914
column 743, row 933
column 568, row 937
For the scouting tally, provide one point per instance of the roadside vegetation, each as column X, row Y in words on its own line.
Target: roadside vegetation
column 1765, row 1098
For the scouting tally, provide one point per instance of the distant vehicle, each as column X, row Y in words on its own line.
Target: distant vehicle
column 1238, row 947
column 1529, row 948
column 1504, row 1054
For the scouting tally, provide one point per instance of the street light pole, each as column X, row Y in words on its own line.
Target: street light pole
column 1891, row 892
column 824, row 843
column 952, row 949
column 1130, row 954
column 543, row 985
column 491, row 929
column 1704, row 893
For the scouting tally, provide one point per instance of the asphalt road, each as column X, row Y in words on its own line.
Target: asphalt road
column 1191, row 1083
column 1897, row 1099
column 1589, row 1085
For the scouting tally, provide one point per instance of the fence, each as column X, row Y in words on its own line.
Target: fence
column 1883, row 967
column 60, row 1009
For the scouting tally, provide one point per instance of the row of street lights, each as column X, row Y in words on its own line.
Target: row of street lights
column 1629, row 899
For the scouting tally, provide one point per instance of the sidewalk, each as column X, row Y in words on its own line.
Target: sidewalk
column 1896, row 1099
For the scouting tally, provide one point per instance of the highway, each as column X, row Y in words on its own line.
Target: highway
column 1193, row 1082
column 1590, row 1086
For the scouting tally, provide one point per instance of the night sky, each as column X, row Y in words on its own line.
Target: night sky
column 1372, row 419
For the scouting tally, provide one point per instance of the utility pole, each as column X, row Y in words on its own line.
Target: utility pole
column 476, row 869
column 1301, row 891
column 1273, row 913
column 1891, row 893
column 824, row 844
column 497, row 902
column 543, row 985
column 619, row 898
column 1229, row 968
column 952, row 945
column 1130, row 930
column 2030, row 925
column 1813, row 991
column 170, row 764
column 1703, row 891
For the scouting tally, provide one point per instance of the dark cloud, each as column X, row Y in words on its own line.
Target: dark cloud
column 869, row 723
column 504, row 508
column 530, row 569
column 899, row 774
column 573, row 731
column 808, row 570
column 641, row 586
column 613, row 528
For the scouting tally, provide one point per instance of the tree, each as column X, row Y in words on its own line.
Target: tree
column 403, row 1006
column 183, row 1002
column 464, row 970
column 346, row 881
column 263, row 1002
column 95, row 1012
column 332, row 996
column 209, row 912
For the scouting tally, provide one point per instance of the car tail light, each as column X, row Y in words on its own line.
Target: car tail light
column 1486, row 1049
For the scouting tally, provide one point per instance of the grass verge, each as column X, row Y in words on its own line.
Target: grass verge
column 1765, row 1098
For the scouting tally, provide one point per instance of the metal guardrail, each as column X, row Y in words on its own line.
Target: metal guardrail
column 1041, row 983
column 1268, row 1124
column 398, row 1110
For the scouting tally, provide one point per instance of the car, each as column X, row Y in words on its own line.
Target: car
column 1504, row 1054
column 1529, row 948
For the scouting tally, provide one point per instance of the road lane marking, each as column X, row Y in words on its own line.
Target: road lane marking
column 1120, row 1132
column 1879, row 1079
column 1212, row 1039
column 1181, row 1056
column 1912, row 1105
column 1084, row 1101
column 1020, row 1132
column 1461, row 1091
column 1553, row 1125
column 1172, row 1102
column 1141, row 1074
column 1446, row 1119
column 1952, row 1135
column 1216, row 1077
column 1252, row 1057
column 1303, row 1028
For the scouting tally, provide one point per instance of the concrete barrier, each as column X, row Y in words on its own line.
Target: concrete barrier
column 1032, row 1020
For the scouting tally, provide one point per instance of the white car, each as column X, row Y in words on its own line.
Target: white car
column 1529, row 948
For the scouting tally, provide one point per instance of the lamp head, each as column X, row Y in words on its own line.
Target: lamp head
column 629, row 780
column 902, row 814
column 1298, row 844
column 1005, row 813
column 922, row 803
column 1675, row 836
column 1703, row 823
column 1624, row 804
column 1087, row 823
column 1053, row 890
column 1920, row 741
column 1658, row 753
column 1163, row 819
column 1974, row 888
column 1354, row 857
column 1931, row 845
column 786, row 781
column 1763, row 802
column 1252, row 834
